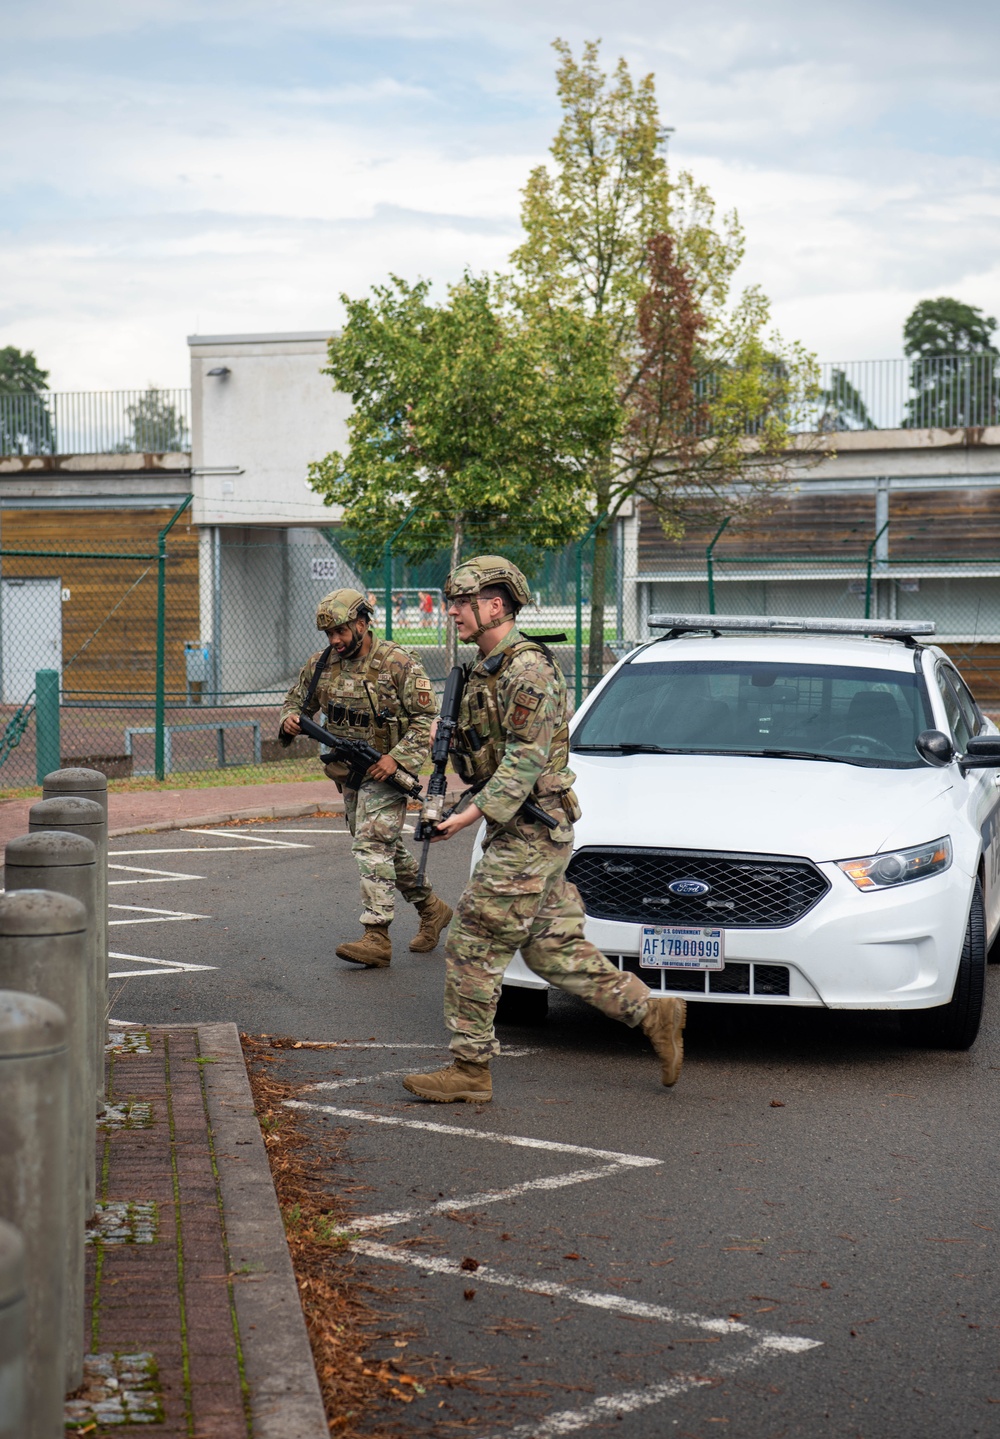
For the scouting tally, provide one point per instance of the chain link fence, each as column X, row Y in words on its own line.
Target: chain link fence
column 171, row 657
column 962, row 597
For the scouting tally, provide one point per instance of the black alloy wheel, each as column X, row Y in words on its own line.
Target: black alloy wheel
column 955, row 1025
column 523, row 1007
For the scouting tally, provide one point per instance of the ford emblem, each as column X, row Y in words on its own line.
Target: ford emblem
column 689, row 887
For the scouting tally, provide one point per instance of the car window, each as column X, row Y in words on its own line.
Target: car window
column 961, row 717
column 970, row 710
column 867, row 716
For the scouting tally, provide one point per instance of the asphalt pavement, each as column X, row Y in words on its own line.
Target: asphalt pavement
column 799, row 1239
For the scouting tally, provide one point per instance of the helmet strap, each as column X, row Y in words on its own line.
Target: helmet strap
column 359, row 639
column 485, row 625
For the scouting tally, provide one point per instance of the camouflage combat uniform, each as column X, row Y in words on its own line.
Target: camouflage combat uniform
column 385, row 699
column 513, row 735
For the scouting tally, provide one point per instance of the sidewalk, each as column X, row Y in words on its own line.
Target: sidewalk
column 195, row 1321
column 178, row 808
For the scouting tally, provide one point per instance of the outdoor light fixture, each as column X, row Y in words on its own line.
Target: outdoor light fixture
column 221, row 371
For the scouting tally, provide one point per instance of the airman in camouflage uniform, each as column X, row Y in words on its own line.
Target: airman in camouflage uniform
column 370, row 689
column 512, row 744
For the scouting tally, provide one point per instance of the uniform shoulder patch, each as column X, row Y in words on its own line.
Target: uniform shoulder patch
column 527, row 699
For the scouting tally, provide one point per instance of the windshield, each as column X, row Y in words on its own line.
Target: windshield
column 836, row 712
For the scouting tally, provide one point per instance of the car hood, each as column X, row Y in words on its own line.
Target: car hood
column 765, row 806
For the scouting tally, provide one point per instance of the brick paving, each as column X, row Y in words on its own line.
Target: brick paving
column 170, row 1298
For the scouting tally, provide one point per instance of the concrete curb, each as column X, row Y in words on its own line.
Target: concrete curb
column 285, row 1398
column 270, row 811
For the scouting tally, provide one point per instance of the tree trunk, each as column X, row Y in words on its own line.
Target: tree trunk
column 451, row 634
column 595, row 649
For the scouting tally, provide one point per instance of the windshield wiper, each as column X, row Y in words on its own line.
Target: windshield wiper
column 795, row 754
column 624, row 748
column 627, row 748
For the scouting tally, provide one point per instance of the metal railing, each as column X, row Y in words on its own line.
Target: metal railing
column 95, row 422
column 948, row 391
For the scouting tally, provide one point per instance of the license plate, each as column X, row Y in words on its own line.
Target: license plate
column 675, row 946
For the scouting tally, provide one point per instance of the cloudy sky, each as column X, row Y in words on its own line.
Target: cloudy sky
column 179, row 166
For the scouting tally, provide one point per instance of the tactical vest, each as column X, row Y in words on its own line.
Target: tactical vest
column 364, row 703
column 481, row 741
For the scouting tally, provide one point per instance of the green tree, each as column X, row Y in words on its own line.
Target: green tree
column 154, row 424
column 20, row 372
column 842, row 404
column 955, row 375
column 610, row 235
column 25, row 418
column 469, row 415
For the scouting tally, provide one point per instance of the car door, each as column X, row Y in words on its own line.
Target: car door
column 964, row 720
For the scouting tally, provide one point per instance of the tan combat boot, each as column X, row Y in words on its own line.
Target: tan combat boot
column 663, row 1022
column 462, row 1080
column 434, row 917
column 374, row 949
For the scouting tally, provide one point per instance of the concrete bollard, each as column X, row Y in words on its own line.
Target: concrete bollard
column 78, row 783
column 13, row 1321
column 43, row 938
column 33, row 1137
column 67, row 864
column 75, row 814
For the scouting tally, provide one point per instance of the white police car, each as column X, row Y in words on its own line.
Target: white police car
column 791, row 812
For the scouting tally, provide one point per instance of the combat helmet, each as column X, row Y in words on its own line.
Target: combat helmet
column 471, row 576
column 340, row 607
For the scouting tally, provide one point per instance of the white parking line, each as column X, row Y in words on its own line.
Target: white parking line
column 157, row 916
column 209, row 849
column 762, row 1346
column 589, row 1298
column 255, row 838
column 251, row 835
column 476, row 1201
column 388, row 1044
column 160, row 876
column 628, row 1401
column 518, row 1141
column 160, row 966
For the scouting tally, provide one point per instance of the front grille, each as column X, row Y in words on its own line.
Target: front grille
column 745, row 891
column 750, row 979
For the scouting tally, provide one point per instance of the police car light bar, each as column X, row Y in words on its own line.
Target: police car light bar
column 791, row 624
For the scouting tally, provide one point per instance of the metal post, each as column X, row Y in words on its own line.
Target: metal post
column 47, row 748
column 43, row 951
column 710, row 564
column 578, row 679
column 217, row 612
column 868, row 571
column 161, row 630
column 82, row 814
column 13, row 1323
column 67, row 864
column 387, row 569
column 33, row 1138
column 620, row 584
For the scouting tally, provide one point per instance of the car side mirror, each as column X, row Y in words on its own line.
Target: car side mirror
column 982, row 752
column 934, row 747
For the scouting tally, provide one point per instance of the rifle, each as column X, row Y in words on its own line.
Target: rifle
column 434, row 810
column 359, row 756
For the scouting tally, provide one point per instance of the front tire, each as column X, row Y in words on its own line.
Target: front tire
column 955, row 1025
column 522, row 1006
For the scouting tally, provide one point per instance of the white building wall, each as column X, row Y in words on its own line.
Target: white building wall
column 256, row 428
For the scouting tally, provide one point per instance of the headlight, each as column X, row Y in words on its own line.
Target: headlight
column 899, row 866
